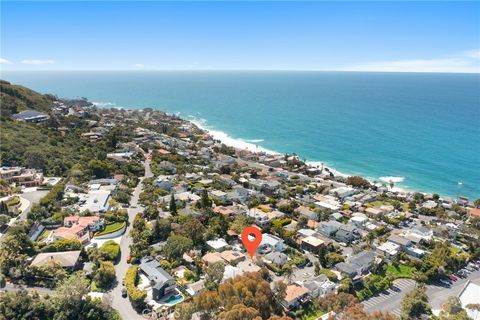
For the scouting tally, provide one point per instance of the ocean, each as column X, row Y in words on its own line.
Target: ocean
column 420, row 130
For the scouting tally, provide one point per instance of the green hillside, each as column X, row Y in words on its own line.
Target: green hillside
column 16, row 98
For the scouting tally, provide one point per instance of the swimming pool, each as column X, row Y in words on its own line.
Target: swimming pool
column 174, row 299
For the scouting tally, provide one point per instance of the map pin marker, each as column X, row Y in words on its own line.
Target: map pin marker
column 251, row 238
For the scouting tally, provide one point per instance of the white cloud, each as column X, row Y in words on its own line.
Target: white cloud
column 465, row 62
column 473, row 53
column 138, row 65
column 5, row 61
column 38, row 61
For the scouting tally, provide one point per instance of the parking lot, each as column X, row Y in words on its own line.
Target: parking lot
column 390, row 300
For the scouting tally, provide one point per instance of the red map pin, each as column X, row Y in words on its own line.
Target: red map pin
column 251, row 238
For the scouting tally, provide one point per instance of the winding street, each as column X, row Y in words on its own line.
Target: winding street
column 123, row 305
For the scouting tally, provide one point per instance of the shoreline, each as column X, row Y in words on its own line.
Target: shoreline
column 242, row 144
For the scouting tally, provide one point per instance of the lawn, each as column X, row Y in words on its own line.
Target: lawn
column 310, row 312
column 110, row 228
column 401, row 271
column 44, row 235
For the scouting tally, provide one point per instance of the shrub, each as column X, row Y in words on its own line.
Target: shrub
column 110, row 249
column 330, row 274
column 136, row 296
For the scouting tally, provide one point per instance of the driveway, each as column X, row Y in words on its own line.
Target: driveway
column 33, row 196
column 121, row 304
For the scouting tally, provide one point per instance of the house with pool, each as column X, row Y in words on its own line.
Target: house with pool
column 160, row 282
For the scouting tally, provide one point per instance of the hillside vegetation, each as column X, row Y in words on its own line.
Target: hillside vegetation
column 16, row 98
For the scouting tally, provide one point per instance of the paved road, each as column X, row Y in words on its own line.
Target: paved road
column 390, row 300
column 123, row 305
column 33, row 197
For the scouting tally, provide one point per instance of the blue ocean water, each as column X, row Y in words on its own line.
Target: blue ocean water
column 424, row 128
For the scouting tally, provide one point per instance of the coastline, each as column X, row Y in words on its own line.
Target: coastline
column 241, row 144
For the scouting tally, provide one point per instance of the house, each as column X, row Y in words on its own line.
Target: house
column 357, row 264
column 218, row 244
column 419, row 233
column 415, row 252
column 271, row 243
column 196, row 287
column 358, row 220
column 295, row 296
column 261, row 218
column 161, row 281
column 212, row 257
column 81, row 233
column 218, row 195
column 374, row 212
column 328, row 228
column 31, row 116
column 389, row 249
column 232, row 257
column 307, row 213
column 164, row 182
column 319, row 286
column 312, row 244
column 66, row 259
column 277, row 258
column 342, row 192
column 21, row 176
column 327, row 202
column 94, row 223
column 96, row 200
column 346, row 233
column 401, row 241
column 224, row 211
column 341, row 232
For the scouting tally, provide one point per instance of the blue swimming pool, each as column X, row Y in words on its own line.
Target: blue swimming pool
column 174, row 299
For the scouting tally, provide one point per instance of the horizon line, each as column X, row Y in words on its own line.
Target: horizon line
column 234, row 70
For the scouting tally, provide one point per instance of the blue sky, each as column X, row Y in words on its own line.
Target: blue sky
column 375, row 36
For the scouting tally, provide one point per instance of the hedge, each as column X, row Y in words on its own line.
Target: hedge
column 136, row 296
column 111, row 228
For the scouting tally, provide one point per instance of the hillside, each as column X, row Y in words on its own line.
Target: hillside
column 15, row 98
column 41, row 146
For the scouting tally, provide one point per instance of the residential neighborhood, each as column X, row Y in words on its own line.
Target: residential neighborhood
column 153, row 226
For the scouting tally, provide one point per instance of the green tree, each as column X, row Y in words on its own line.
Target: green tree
column 173, row 205
column 415, row 304
column 176, row 246
column 105, row 275
column 161, row 229
column 452, row 310
column 68, row 297
column 214, row 275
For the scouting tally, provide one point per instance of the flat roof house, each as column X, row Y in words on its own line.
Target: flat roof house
column 161, row 281
column 31, row 116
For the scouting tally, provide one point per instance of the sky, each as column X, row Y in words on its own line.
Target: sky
column 344, row 36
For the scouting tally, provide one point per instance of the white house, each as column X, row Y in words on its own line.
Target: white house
column 218, row 244
column 271, row 243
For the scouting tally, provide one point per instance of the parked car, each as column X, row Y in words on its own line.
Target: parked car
column 124, row 293
column 445, row 282
column 129, row 259
column 452, row 277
